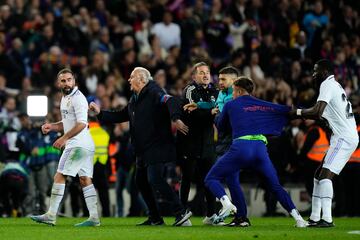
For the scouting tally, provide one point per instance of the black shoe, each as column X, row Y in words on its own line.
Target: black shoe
column 324, row 224
column 183, row 217
column 239, row 222
column 312, row 223
column 150, row 222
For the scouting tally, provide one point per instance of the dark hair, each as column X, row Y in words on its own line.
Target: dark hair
column 245, row 83
column 325, row 65
column 229, row 70
column 199, row 64
column 63, row 71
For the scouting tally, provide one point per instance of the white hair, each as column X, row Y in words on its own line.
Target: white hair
column 144, row 73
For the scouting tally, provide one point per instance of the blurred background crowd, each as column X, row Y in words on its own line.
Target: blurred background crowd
column 274, row 42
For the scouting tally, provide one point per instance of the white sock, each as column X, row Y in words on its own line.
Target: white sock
column 91, row 201
column 326, row 194
column 296, row 215
column 316, row 202
column 57, row 193
column 225, row 201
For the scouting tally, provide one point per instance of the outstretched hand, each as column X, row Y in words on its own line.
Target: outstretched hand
column 190, row 107
column 215, row 111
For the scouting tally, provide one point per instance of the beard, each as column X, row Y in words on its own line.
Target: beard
column 317, row 80
column 67, row 90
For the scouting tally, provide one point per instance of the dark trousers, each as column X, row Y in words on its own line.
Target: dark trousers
column 310, row 168
column 351, row 180
column 150, row 182
column 196, row 169
column 102, row 186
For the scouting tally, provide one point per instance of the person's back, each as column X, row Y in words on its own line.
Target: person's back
column 249, row 119
column 250, row 116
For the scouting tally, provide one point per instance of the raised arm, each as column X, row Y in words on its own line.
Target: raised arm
column 110, row 116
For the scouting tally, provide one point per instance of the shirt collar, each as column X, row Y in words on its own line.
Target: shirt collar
column 73, row 91
column 331, row 77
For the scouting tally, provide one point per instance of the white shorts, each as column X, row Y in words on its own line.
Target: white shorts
column 75, row 161
column 338, row 154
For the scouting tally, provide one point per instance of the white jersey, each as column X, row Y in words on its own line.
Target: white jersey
column 338, row 111
column 74, row 108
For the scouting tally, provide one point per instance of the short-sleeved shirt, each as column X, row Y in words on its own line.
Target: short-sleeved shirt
column 338, row 111
column 74, row 109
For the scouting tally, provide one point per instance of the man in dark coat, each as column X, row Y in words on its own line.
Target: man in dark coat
column 150, row 112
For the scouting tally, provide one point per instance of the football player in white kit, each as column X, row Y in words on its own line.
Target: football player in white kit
column 77, row 157
column 333, row 106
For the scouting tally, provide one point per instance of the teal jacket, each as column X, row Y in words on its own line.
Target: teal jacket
column 223, row 97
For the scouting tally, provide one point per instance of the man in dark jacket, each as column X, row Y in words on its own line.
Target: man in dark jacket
column 150, row 112
column 197, row 148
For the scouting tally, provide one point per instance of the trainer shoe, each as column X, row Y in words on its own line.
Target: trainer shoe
column 301, row 223
column 239, row 222
column 225, row 212
column 187, row 223
column 312, row 223
column 89, row 223
column 323, row 224
column 150, row 222
column 45, row 219
column 211, row 221
column 180, row 219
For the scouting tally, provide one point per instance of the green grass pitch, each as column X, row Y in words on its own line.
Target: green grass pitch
column 124, row 228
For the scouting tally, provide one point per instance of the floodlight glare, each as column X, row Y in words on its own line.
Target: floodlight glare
column 37, row 106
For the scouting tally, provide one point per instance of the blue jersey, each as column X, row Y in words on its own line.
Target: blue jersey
column 247, row 115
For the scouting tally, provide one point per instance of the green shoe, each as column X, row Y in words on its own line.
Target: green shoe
column 88, row 223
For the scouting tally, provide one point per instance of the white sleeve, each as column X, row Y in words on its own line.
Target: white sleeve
column 326, row 92
column 81, row 109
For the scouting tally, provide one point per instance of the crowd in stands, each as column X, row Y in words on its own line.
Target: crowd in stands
column 275, row 43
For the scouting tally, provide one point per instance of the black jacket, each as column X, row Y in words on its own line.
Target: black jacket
column 200, row 140
column 150, row 114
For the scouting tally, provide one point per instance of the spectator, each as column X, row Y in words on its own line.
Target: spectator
column 167, row 31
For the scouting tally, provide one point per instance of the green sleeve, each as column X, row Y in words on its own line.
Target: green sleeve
column 205, row 105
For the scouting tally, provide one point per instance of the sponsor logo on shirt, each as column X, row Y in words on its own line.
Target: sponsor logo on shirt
column 258, row 108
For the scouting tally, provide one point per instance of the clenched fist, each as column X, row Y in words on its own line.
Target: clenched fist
column 94, row 108
column 46, row 128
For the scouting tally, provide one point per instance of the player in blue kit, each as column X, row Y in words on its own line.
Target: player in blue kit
column 248, row 118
